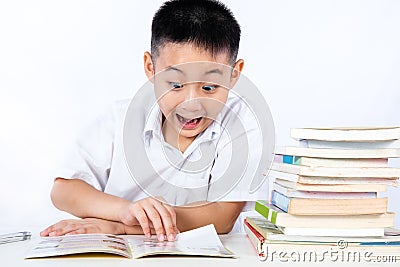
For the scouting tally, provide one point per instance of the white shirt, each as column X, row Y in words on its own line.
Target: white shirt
column 98, row 158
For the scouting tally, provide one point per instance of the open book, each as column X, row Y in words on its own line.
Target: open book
column 203, row 241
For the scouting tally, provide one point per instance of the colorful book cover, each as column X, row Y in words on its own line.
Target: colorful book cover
column 266, row 209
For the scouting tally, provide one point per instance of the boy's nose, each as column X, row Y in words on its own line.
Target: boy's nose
column 192, row 100
column 191, row 105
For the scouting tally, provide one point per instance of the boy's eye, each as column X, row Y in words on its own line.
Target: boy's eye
column 209, row 88
column 175, row 85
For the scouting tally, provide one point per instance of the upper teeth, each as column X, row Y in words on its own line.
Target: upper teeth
column 185, row 120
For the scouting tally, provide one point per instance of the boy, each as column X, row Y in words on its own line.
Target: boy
column 97, row 185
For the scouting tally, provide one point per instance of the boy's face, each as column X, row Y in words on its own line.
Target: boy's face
column 191, row 86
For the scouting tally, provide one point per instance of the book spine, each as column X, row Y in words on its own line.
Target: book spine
column 347, row 135
column 287, row 159
column 349, row 145
column 381, row 243
column 255, row 232
column 266, row 211
column 256, row 238
column 291, row 160
column 280, row 201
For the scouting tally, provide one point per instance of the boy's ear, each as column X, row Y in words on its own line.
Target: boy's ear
column 237, row 69
column 148, row 66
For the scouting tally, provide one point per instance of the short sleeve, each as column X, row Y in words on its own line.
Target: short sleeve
column 89, row 158
column 238, row 160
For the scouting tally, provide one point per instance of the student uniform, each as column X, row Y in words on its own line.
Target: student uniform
column 98, row 157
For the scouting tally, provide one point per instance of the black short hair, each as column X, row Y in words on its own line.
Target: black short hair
column 208, row 24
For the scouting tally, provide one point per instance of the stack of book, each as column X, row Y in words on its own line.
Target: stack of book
column 326, row 189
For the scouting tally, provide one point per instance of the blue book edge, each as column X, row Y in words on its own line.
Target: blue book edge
column 281, row 201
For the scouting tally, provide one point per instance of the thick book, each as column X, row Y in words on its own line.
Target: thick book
column 289, row 192
column 319, row 252
column 330, row 162
column 383, row 172
column 314, row 180
column 338, row 232
column 311, row 206
column 339, row 153
column 256, row 239
column 266, row 229
column 364, row 187
column 350, row 134
column 349, row 145
column 283, row 219
column 203, row 241
column 261, row 225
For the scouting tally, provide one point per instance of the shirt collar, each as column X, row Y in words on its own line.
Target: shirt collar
column 153, row 122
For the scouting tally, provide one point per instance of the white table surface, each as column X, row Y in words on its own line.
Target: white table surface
column 13, row 254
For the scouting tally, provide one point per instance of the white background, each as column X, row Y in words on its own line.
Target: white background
column 318, row 63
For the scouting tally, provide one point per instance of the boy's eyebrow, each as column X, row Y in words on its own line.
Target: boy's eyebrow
column 173, row 68
column 217, row 71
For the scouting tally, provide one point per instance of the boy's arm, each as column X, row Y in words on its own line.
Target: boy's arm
column 78, row 198
column 82, row 200
column 190, row 218
column 91, row 226
column 222, row 214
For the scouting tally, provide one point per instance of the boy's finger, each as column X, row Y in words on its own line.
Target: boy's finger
column 77, row 232
column 141, row 217
column 46, row 231
column 172, row 212
column 173, row 216
column 167, row 220
column 65, row 229
column 171, row 233
column 54, row 227
column 155, row 218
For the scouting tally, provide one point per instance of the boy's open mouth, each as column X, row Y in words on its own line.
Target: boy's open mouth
column 188, row 124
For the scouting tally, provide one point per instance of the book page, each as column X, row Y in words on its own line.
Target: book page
column 75, row 244
column 203, row 241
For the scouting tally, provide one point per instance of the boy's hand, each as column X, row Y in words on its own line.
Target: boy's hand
column 84, row 226
column 151, row 213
